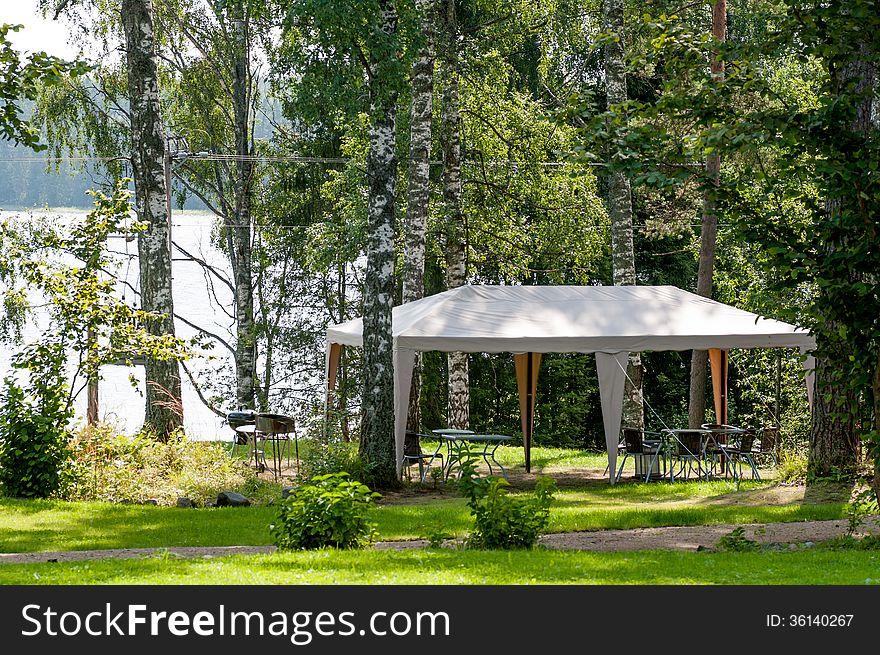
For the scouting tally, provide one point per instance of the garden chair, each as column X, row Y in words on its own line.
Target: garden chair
column 635, row 445
column 413, row 454
column 689, row 454
column 769, row 443
column 741, row 451
column 277, row 428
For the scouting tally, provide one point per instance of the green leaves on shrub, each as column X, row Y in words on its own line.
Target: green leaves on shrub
column 502, row 521
column 33, row 438
column 331, row 510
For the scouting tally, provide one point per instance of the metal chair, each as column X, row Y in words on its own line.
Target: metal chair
column 636, row 446
column 239, row 419
column 769, row 443
column 740, row 452
column 413, row 454
column 277, row 428
column 689, row 453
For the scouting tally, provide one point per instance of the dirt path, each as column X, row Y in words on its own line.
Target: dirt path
column 688, row 538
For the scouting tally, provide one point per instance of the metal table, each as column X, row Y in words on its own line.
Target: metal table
column 459, row 442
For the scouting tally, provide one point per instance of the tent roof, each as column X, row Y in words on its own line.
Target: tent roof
column 489, row 318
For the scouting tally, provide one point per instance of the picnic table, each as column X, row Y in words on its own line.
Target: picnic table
column 460, row 443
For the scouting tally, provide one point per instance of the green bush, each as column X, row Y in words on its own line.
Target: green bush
column 330, row 510
column 33, row 439
column 332, row 457
column 502, row 521
column 113, row 467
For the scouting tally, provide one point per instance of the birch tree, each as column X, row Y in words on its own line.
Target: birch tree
column 377, row 433
column 164, row 408
column 418, row 186
column 620, row 204
column 455, row 249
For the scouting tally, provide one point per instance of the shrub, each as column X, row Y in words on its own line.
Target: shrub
column 330, row 510
column 113, row 467
column 33, row 438
column 502, row 521
column 332, row 457
column 737, row 541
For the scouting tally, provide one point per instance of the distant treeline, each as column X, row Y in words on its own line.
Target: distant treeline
column 28, row 181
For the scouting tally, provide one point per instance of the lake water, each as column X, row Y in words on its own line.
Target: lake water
column 123, row 403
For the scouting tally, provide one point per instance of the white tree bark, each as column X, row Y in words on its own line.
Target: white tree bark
column 377, row 432
column 164, row 409
column 458, row 412
column 239, row 223
column 418, row 190
column 620, row 208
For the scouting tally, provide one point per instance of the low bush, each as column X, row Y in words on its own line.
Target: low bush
column 116, row 468
column 328, row 511
column 502, row 521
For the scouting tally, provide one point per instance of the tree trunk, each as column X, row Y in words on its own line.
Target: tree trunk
column 238, row 223
column 418, row 188
column 620, row 209
column 834, row 444
column 458, row 412
column 708, row 235
column 164, row 409
column 377, row 433
column 876, row 448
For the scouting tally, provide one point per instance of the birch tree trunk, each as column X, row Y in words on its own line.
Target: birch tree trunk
column 418, row 190
column 238, row 223
column 377, row 432
column 458, row 412
column 708, row 236
column 164, row 409
column 620, row 209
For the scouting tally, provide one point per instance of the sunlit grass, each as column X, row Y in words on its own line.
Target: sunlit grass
column 55, row 525
column 465, row 567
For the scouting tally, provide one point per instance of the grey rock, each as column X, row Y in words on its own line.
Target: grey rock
column 286, row 491
column 151, row 501
column 232, row 499
column 185, row 502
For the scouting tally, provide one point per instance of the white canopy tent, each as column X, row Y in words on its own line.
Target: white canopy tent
column 609, row 321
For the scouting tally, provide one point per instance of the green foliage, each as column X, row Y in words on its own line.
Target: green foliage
column 736, row 541
column 862, row 505
column 21, row 80
column 33, row 435
column 113, row 467
column 502, row 521
column 793, row 466
column 329, row 511
column 333, row 456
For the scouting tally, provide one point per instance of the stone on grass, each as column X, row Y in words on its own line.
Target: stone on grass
column 185, row 502
column 286, row 491
column 232, row 499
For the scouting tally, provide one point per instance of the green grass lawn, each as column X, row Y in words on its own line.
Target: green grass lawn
column 55, row 525
column 453, row 567
column 421, row 510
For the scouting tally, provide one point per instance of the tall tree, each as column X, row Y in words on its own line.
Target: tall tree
column 164, row 408
column 418, row 185
column 708, row 232
column 377, row 436
column 620, row 204
column 834, row 443
column 458, row 412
